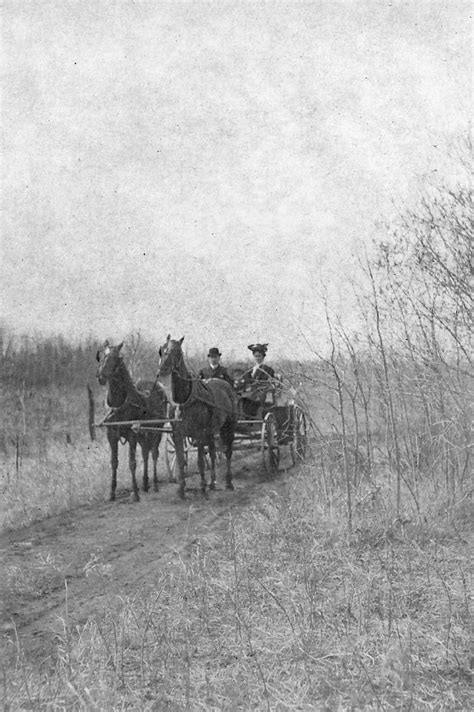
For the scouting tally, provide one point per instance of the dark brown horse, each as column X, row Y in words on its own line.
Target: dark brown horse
column 204, row 410
column 127, row 401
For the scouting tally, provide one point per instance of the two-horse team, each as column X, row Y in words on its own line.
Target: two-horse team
column 195, row 410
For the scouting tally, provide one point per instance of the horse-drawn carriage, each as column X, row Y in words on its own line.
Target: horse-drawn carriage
column 189, row 412
column 269, row 418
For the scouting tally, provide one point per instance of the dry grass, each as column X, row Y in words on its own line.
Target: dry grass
column 49, row 463
column 61, row 478
column 286, row 613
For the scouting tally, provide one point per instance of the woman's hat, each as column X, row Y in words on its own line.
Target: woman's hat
column 259, row 348
column 214, row 352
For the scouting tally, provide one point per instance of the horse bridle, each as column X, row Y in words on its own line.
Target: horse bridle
column 190, row 379
column 114, row 370
column 176, row 366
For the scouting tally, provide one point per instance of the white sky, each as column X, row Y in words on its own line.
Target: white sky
column 198, row 167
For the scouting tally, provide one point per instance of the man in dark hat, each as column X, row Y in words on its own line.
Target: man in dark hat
column 214, row 368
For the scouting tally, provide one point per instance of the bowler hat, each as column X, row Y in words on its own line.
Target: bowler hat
column 214, row 352
column 258, row 348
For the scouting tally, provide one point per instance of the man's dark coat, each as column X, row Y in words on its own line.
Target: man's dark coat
column 219, row 372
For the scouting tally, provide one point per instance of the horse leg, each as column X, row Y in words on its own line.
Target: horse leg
column 132, row 461
column 113, row 442
column 154, row 455
column 227, row 435
column 202, row 466
column 145, row 446
column 212, row 457
column 178, row 439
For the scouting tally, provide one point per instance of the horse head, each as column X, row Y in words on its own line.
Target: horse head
column 109, row 359
column 171, row 356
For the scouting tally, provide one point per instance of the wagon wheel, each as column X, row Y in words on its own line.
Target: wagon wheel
column 171, row 459
column 269, row 445
column 300, row 437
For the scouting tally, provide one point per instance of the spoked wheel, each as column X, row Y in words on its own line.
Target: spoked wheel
column 269, row 445
column 300, row 437
column 171, row 459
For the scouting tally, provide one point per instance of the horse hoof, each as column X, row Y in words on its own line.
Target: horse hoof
column 229, row 486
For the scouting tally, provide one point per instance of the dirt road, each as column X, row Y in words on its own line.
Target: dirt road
column 66, row 567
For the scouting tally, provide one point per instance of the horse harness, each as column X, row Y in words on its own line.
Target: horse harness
column 113, row 411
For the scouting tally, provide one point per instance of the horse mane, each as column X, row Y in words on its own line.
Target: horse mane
column 128, row 381
column 124, row 381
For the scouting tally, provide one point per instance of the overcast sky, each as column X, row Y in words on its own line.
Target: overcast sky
column 199, row 167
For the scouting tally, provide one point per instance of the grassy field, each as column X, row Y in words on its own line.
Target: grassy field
column 292, row 607
column 286, row 611
column 49, row 463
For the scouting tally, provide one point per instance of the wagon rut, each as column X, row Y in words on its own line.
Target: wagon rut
column 68, row 566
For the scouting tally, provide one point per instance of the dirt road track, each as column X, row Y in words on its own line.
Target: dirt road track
column 68, row 565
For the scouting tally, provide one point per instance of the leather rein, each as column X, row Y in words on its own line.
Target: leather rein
column 190, row 379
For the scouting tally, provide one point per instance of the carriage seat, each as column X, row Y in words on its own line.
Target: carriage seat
column 256, row 398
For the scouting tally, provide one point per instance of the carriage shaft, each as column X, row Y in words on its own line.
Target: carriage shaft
column 118, row 423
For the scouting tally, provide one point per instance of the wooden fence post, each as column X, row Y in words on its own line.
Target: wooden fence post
column 90, row 396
